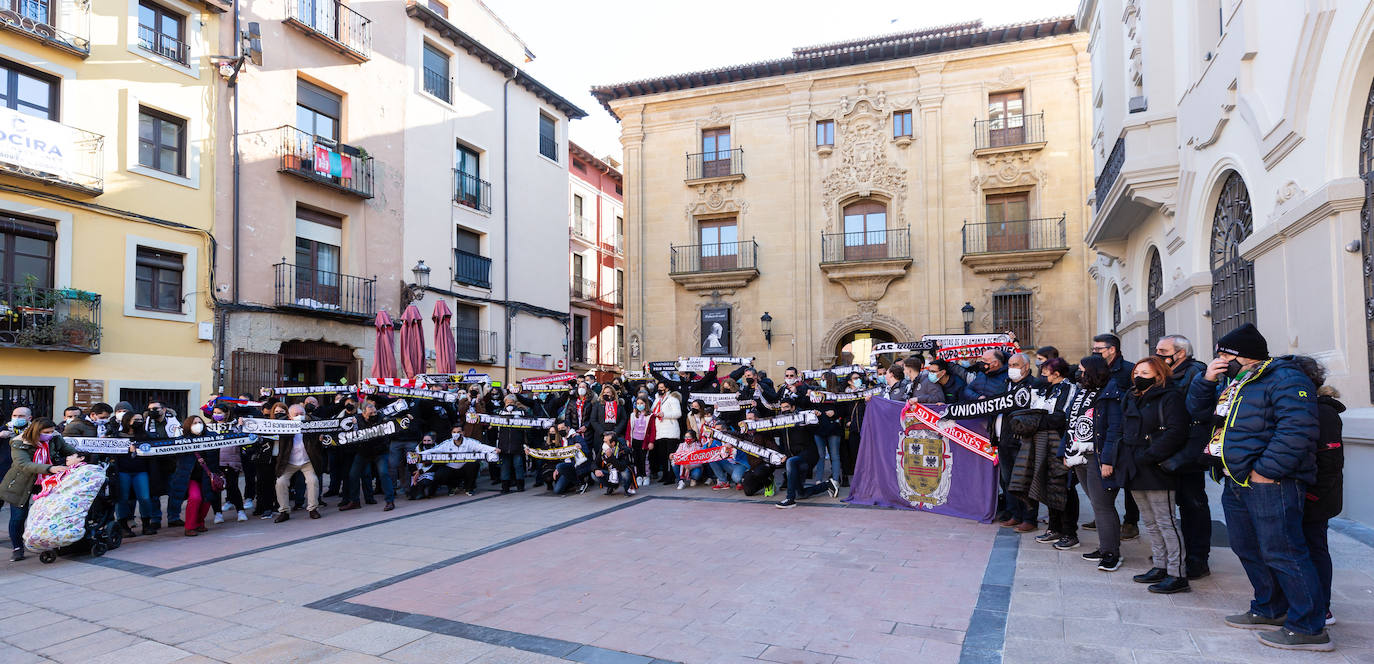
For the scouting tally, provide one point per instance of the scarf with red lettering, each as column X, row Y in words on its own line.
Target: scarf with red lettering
column 610, row 410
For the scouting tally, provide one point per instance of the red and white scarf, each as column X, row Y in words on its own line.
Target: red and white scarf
column 610, row 410
column 41, row 454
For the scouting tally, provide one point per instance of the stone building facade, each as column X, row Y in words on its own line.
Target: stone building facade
column 860, row 192
column 1233, row 145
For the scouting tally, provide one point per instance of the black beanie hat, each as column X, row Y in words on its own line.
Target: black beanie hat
column 1244, row 341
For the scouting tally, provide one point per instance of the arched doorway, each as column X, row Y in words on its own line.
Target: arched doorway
column 857, row 347
column 1233, row 277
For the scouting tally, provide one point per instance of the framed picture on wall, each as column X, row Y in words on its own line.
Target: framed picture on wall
column 715, row 331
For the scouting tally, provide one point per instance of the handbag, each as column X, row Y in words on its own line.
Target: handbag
column 216, row 479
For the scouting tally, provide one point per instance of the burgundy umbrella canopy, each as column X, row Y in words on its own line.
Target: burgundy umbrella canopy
column 384, row 359
column 445, row 348
column 412, row 342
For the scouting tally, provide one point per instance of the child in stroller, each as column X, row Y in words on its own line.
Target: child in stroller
column 74, row 514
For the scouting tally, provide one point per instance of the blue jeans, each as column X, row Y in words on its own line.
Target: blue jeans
column 17, row 516
column 1264, row 522
column 355, row 477
column 133, row 485
column 567, row 477
column 797, row 469
column 695, row 473
column 396, row 456
column 512, row 467
column 732, row 473
column 1315, row 534
column 831, row 443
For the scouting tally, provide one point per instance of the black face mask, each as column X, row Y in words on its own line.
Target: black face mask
column 1142, row 383
column 310, row 408
column 155, row 413
column 1166, row 359
column 1233, row 369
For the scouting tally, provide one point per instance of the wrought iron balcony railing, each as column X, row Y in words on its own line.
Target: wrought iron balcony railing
column 583, row 289
column 1110, row 170
column 718, row 164
column 73, row 158
column 439, row 84
column 866, row 245
column 63, row 24
column 1009, row 131
column 49, row 318
column 471, row 191
column 334, row 23
column 151, row 41
column 714, row 257
column 471, row 269
column 584, row 229
column 320, row 160
column 1009, row 236
column 475, row 345
column 301, row 287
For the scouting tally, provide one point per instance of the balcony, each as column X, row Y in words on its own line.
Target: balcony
column 583, row 289
column 583, row 229
column 718, row 165
column 726, row 266
column 1019, row 132
column 1110, row 170
column 38, row 20
column 324, row 292
column 51, row 153
column 471, row 269
column 162, row 45
column 439, row 84
column 63, row 319
column 471, row 191
column 866, row 262
column 474, row 345
column 334, row 24
column 1014, row 246
column 618, row 244
column 317, row 159
column 611, row 299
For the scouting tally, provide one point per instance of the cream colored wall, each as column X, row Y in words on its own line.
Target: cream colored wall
column 780, row 200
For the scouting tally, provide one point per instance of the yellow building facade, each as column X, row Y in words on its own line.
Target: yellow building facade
column 859, row 192
column 107, row 129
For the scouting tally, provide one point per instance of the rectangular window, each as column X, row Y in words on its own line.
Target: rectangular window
column 579, row 338
column 1008, row 228
column 39, row 11
column 579, row 166
column 825, row 133
column 577, row 269
column 160, row 31
column 318, row 239
column 438, row 8
column 26, row 249
column 1012, row 311
column 318, row 111
column 158, row 280
column 161, row 141
column 1006, row 119
column 467, row 329
column 36, row 399
column 436, row 77
column 620, row 284
column 548, row 137
column 469, row 166
column 468, row 241
column 577, row 207
column 719, row 244
column 28, row 91
column 901, row 124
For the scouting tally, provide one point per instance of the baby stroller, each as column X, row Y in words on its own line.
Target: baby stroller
column 74, row 514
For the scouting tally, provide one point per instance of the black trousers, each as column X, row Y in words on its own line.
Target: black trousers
column 1195, row 519
column 658, row 457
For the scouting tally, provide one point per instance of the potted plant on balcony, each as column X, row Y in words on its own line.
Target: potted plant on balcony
column 77, row 332
column 35, row 301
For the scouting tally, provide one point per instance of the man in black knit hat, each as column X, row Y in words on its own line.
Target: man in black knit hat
column 1265, row 417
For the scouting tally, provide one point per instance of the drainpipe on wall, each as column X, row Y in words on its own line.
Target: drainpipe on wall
column 224, row 313
column 505, row 212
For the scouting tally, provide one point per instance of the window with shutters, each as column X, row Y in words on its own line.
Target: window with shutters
column 158, row 280
column 27, row 249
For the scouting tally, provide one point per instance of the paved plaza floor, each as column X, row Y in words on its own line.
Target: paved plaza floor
column 666, row 576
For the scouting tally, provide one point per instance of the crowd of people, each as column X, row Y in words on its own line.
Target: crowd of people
column 1145, row 434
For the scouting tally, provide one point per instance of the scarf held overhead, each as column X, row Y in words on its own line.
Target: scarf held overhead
column 780, row 421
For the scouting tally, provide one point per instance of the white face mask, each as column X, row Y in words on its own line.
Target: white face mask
column 299, row 418
column 119, row 415
column 581, row 391
column 197, row 428
column 1015, row 374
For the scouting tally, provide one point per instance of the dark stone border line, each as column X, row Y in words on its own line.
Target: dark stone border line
column 154, row 571
column 543, row 645
column 987, row 628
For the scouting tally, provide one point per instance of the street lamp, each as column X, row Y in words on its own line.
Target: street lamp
column 421, row 272
column 767, row 322
column 967, row 310
column 415, row 291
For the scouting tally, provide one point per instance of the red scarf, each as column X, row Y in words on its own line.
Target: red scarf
column 43, row 455
column 610, row 410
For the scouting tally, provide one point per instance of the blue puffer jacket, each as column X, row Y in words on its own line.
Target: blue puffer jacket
column 1272, row 426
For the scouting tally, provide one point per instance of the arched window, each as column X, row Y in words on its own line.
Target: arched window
column 1116, row 309
column 865, row 230
column 1153, row 291
column 1366, row 227
column 1233, row 277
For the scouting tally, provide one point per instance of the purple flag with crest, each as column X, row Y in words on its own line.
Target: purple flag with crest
column 909, row 465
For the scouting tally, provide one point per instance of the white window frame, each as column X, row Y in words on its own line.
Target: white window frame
column 193, row 139
column 190, row 279
column 195, row 46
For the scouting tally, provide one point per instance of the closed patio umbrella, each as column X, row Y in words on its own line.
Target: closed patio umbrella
column 445, row 348
column 384, row 358
column 412, row 342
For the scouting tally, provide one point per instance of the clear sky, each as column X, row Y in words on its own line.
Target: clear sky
column 594, row 42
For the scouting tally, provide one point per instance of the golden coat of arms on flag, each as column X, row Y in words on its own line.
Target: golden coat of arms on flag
column 924, row 462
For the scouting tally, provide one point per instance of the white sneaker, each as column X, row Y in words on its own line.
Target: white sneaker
column 694, row 482
column 243, row 516
column 248, row 504
column 681, row 484
column 219, row 518
column 228, row 507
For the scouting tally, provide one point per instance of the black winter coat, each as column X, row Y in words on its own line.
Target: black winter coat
column 1324, row 498
column 1190, row 458
column 1154, row 428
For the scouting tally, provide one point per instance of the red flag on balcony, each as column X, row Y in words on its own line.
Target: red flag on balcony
column 345, row 166
column 321, row 159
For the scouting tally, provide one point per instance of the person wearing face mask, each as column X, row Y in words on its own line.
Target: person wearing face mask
column 37, row 452
column 1155, row 427
column 639, row 428
column 200, row 495
column 989, row 378
column 1265, row 418
column 1189, row 465
column 19, row 420
column 608, row 415
column 940, row 375
column 1108, row 347
column 369, row 455
column 131, row 480
column 897, row 387
column 667, row 414
column 1090, row 447
column 1062, row 529
column 230, row 460
column 578, row 411
column 510, row 442
column 302, row 453
column 1022, row 515
column 849, row 450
